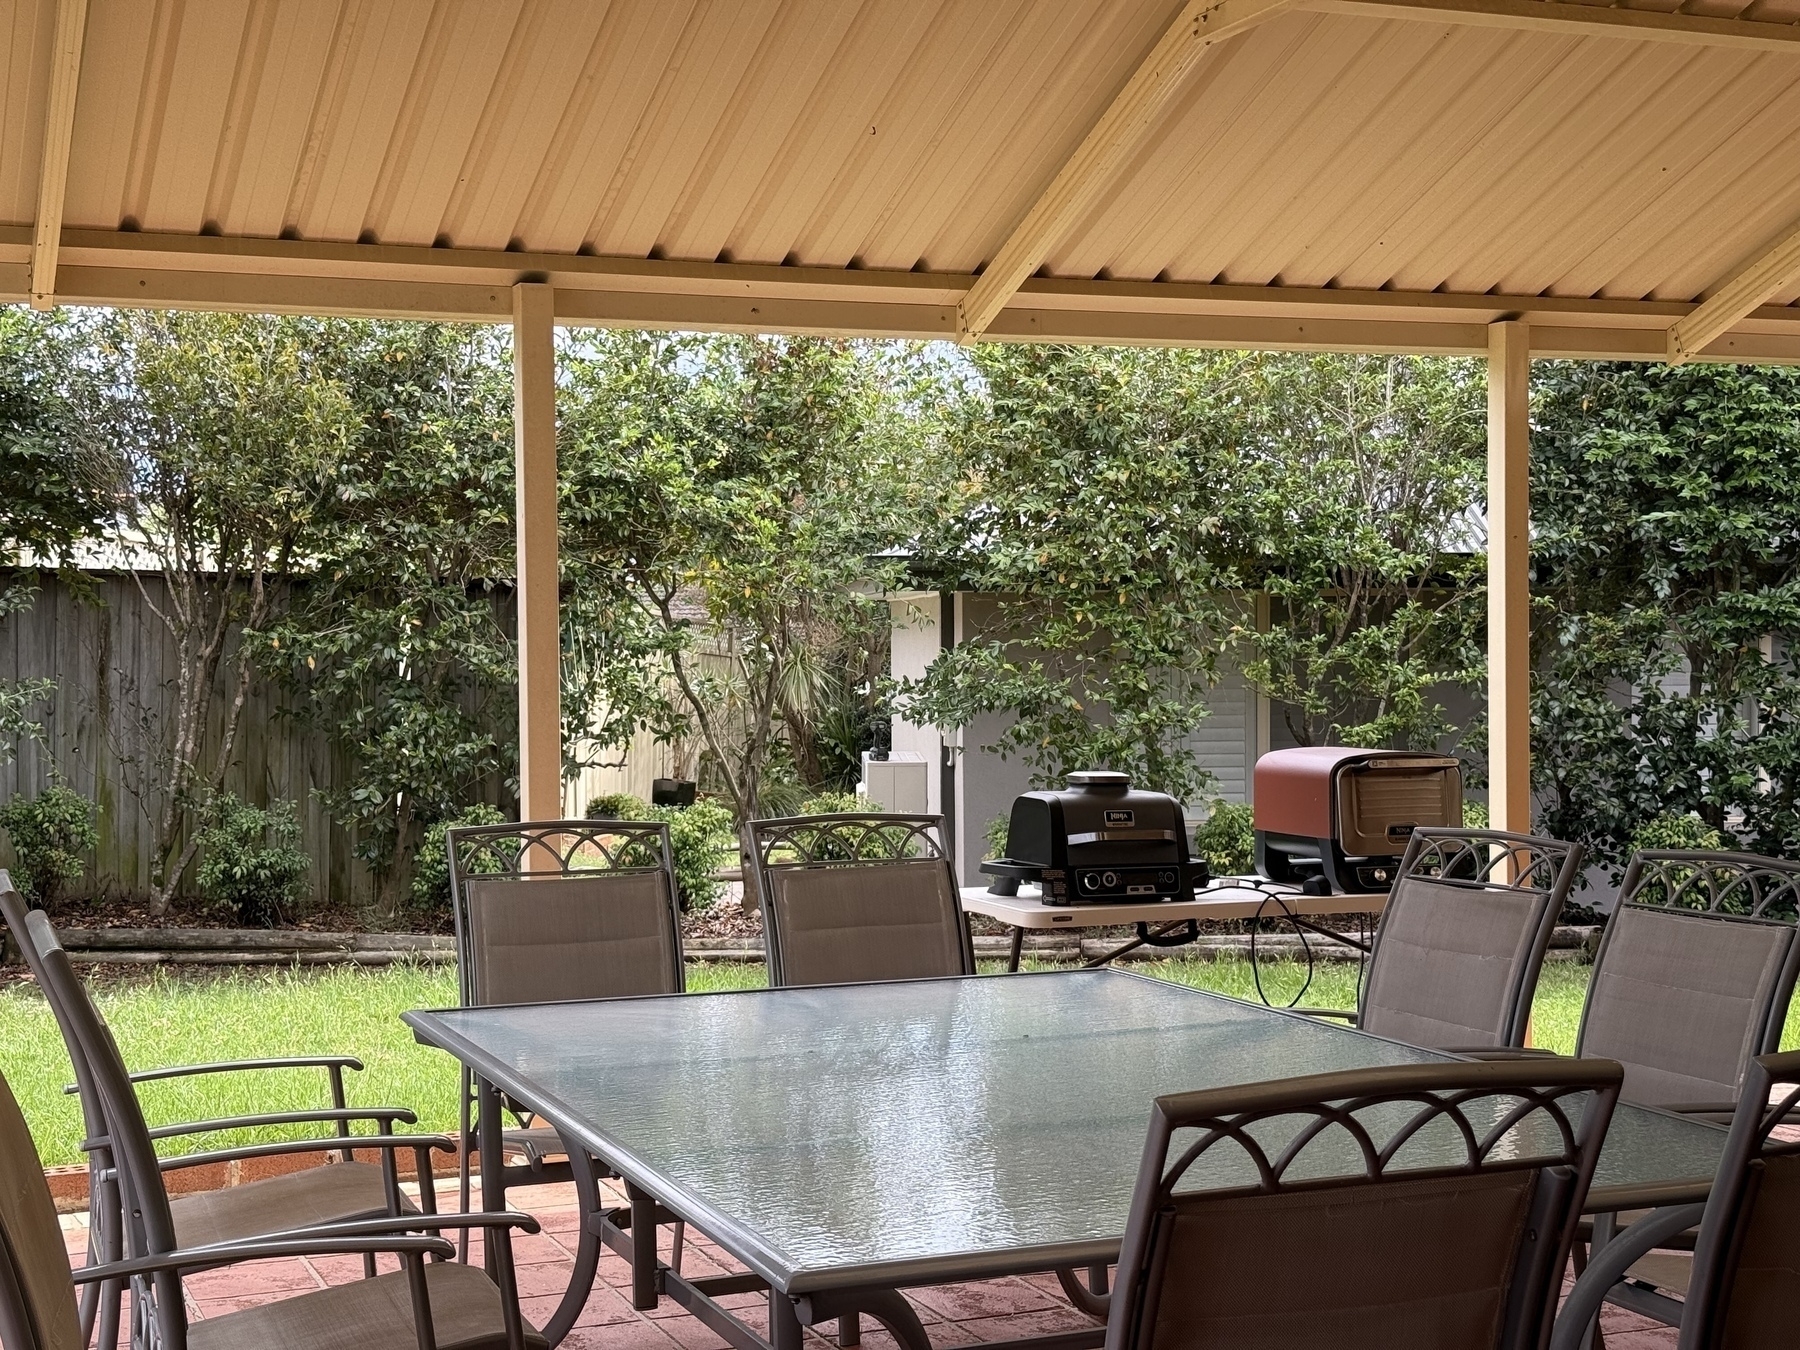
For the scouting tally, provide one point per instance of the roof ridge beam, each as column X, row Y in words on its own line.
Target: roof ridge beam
column 1737, row 297
column 1557, row 16
column 59, row 131
column 1103, row 151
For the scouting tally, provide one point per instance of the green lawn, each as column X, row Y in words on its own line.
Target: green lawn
column 184, row 1019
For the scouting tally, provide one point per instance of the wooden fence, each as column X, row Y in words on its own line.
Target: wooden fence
column 113, row 663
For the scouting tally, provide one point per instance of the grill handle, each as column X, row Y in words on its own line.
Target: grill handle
column 1120, row 836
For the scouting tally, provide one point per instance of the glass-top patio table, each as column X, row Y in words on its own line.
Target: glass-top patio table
column 848, row 1141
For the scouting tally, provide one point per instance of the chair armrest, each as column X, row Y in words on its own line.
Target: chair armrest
column 230, row 1253
column 338, row 1062
column 1343, row 1014
column 382, row 1115
column 332, row 1144
column 412, row 1223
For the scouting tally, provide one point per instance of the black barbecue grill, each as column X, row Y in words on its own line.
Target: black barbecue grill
column 1097, row 842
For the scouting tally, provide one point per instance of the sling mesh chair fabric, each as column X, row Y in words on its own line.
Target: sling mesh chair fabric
column 38, row 1305
column 551, row 911
column 1428, row 1206
column 467, row 1309
column 1742, row 1282
column 1693, row 975
column 858, row 897
column 1462, row 938
column 350, row 1190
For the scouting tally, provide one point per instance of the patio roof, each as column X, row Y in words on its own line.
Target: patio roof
column 1370, row 174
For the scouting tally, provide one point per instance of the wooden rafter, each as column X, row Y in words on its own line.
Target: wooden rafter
column 1103, row 151
column 1555, row 16
column 1737, row 297
column 59, row 130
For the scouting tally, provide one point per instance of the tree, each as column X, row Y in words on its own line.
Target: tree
column 725, row 502
column 223, row 434
column 1666, row 562
column 1351, row 492
column 1087, row 499
column 397, row 643
column 51, row 494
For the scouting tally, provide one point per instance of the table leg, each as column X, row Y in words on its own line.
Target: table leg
column 643, row 1248
column 849, row 1330
column 493, row 1183
column 784, row 1322
column 1018, row 949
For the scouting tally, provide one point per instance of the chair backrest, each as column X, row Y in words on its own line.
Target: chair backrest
column 149, row 1228
column 1463, row 936
column 37, row 1299
column 14, row 909
column 857, row 897
column 1745, row 1287
column 1694, row 974
column 565, row 909
column 1423, row 1205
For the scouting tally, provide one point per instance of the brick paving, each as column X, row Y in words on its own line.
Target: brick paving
column 954, row 1314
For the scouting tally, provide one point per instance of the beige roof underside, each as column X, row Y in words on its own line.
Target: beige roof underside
column 801, row 151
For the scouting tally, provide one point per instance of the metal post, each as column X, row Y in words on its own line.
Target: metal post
column 1509, row 556
column 540, row 642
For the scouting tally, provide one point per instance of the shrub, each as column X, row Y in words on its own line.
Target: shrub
column 835, row 804
column 431, row 872
column 1227, row 839
column 1475, row 815
column 618, row 806
column 250, row 858
column 50, row 833
column 997, row 830
column 1674, row 830
column 698, row 834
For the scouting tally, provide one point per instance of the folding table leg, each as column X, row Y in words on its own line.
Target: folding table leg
column 1018, row 948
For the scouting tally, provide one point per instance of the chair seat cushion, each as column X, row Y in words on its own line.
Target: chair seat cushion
column 1668, row 1271
column 370, row 1315
column 329, row 1194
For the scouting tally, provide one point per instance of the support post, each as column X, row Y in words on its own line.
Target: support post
column 540, row 641
column 1509, row 582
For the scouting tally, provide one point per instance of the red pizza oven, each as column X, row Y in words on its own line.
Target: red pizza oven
column 1335, row 819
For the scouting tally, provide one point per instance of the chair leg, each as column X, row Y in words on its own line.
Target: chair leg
column 587, row 1250
column 677, row 1243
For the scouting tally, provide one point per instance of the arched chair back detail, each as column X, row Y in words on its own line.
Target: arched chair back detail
column 1429, row 1205
column 1693, row 975
column 1462, row 938
column 858, row 897
column 567, row 909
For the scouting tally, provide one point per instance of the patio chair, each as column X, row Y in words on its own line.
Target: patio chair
column 1426, row 1206
column 155, row 1257
column 1741, row 1285
column 349, row 1190
column 444, row 1304
column 858, row 897
column 549, row 911
column 1693, row 976
column 1462, row 939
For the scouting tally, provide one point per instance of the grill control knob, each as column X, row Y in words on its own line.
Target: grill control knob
column 1089, row 881
column 1110, row 879
column 1165, row 878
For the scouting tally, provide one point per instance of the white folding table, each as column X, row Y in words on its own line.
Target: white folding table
column 1227, row 898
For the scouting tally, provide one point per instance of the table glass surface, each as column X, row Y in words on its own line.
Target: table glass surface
column 862, row 1125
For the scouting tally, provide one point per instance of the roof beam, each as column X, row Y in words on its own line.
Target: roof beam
column 1104, row 150
column 1736, row 298
column 1556, row 16
column 59, row 130
column 113, row 267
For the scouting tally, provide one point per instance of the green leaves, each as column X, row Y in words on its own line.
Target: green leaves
column 1666, row 558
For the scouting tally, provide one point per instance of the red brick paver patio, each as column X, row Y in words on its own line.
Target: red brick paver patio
column 954, row 1315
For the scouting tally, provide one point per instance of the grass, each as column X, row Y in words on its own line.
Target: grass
column 189, row 1018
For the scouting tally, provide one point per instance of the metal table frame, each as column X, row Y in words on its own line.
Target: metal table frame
column 1159, row 922
column 811, row 1298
